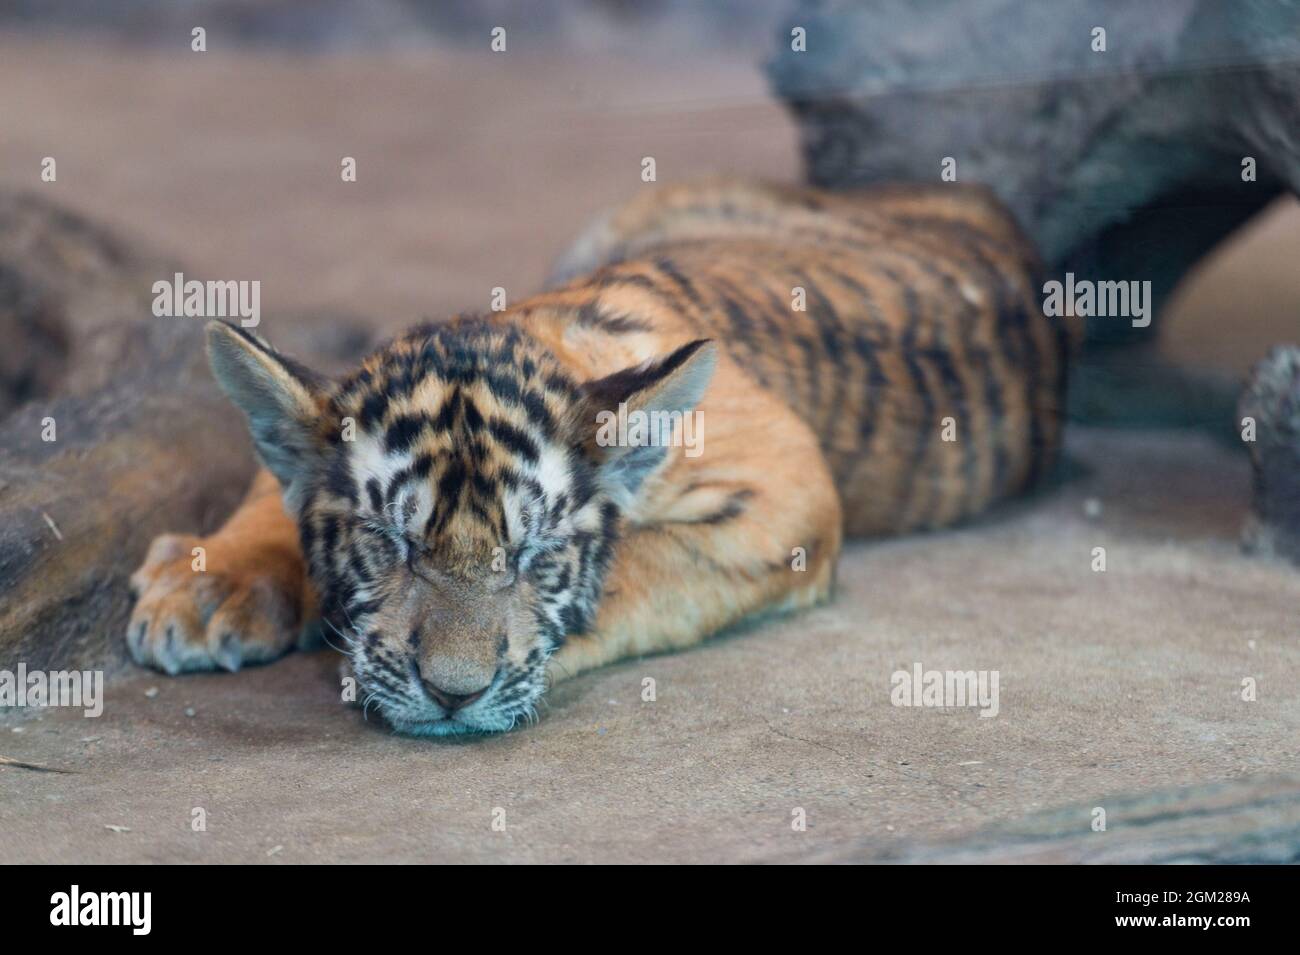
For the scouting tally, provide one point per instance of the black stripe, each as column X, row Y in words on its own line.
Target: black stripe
column 829, row 328
column 924, row 427
column 514, row 440
column 403, row 431
column 450, row 488
column 734, row 507
column 669, row 268
column 956, row 393
column 338, row 480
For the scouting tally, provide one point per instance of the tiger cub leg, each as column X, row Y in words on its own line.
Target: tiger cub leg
column 243, row 598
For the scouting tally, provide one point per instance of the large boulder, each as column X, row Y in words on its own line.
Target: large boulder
column 115, row 431
column 1122, row 164
column 119, row 434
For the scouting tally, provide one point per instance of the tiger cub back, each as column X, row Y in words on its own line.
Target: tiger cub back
column 902, row 323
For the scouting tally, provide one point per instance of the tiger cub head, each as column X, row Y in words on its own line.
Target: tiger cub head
column 456, row 512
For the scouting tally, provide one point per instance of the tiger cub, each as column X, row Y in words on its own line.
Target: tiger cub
column 727, row 379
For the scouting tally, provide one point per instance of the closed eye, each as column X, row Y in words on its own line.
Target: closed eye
column 539, row 547
column 387, row 531
column 410, row 549
column 417, row 562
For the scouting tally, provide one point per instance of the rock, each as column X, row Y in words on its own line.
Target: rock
column 1271, row 405
column 33, row 326
column 1222, row 823
column 1122, row 165
column 143, row 441
column 136, row 441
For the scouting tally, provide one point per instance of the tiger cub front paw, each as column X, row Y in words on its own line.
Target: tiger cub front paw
column 209, row 603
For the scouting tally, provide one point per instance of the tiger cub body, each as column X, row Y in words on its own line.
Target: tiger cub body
column 874, row 363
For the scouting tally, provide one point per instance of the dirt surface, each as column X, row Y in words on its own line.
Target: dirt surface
column 473, row 172
column 1109, row 683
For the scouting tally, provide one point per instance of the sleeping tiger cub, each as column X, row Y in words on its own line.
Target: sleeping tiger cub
column 461, row 511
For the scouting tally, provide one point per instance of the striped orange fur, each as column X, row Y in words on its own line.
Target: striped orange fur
column 868, row 363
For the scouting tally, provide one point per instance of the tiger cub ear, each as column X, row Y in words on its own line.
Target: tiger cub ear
column 282, row 399
column 626, row 420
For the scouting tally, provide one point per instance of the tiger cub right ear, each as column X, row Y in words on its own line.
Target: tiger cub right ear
column 671, row 386
column 284, row 402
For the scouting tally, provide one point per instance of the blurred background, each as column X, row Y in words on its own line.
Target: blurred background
column 474, row 168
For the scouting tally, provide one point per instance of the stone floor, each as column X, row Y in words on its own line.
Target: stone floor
column 1111, row 684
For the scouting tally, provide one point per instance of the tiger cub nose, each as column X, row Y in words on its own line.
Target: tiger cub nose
column 451, row 702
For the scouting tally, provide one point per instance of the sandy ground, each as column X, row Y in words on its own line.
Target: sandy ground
column 473, row 172
column 1109, row 683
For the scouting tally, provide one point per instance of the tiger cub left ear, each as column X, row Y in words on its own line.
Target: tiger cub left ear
column 626, row 420
column 282, row 399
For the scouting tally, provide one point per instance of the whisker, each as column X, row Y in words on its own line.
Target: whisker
column 351, row 623
column 327, row 640
column 349, row 640
column 567, row 672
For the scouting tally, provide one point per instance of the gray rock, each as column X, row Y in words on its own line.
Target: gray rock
column 1271, row 407
column 141, row 441
column 1246, row 821
column 1123, row 164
